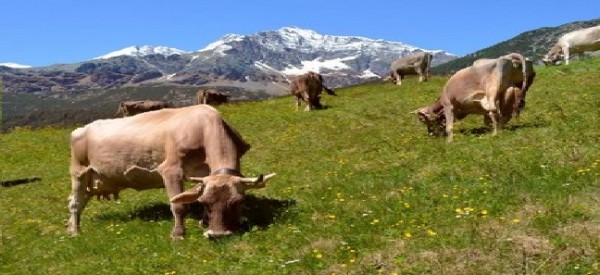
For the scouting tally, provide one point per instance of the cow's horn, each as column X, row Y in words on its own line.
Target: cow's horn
column 256, row 182
column 197, row 179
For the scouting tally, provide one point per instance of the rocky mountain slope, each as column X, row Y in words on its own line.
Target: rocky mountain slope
column 261, row 62
column 533, row 44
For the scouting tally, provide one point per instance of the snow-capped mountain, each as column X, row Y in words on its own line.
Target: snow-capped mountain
column 15, row 65
column 291, row 51
column 262, row 62
column 138, row 51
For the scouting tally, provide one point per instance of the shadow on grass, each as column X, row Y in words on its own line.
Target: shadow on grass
column 11, row 183
column 258, row 211
column 484, row 130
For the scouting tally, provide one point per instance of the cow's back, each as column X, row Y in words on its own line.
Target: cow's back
column 113, row 146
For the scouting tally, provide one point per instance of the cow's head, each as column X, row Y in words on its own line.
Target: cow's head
column 390, row 78
column 222, row 197
column 553, row 56
column 435, row 121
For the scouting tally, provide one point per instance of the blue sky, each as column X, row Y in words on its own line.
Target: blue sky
column 40, row 33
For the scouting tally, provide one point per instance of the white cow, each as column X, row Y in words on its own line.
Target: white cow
column 579, row 41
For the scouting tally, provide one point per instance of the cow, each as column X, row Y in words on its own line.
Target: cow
column 211, row 97
column 161, row 149
column 579, row 42
column 308, row 88
column 134, row 107
column 414, row 64
column 516, row 79
column 489, row 87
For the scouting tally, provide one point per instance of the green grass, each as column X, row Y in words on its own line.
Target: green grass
column 360, row 189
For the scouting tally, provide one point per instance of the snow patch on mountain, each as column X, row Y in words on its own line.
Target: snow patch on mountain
column 220, row 46
column 15, row 65
column 265, row 67
column 142, row 51
column 317, row 65
column 309, row 40
column 368, row 74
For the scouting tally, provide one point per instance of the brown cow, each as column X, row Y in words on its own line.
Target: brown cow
column 414, row 64
column 161, row 149
column 516, row 79
column 134, row 107
column 211, row 97
column 489, row 87
column 308, row 88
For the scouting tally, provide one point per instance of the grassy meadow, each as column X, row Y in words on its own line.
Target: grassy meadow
column 360, row 189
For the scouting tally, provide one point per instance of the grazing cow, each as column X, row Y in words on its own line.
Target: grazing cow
column 579, row 41
column 415, row 64
column 211, row 97
column 488, row 87
column 134, row 107
column 160, row 150
column 308, row 88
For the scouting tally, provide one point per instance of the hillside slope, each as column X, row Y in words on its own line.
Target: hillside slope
column 360, row 189
column 533, row 44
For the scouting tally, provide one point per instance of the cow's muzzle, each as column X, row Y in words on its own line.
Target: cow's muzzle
column 211, row 234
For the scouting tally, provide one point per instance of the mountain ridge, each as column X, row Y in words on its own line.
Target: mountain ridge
column 533, row 44
column 261, row 62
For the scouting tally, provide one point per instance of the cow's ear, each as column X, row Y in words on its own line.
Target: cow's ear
column 190, row 195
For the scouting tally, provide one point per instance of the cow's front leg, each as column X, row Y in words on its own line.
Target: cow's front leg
column 493, row 115
column 173, row 179
column 298, row 102
column 77, row 201
column 567, row 54
column 421, row 76
column 309, row 103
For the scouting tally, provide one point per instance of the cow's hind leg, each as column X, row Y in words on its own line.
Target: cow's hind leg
column 78, row 200
column 449, row 114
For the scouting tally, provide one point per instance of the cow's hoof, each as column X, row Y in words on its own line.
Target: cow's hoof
column 72, row 230
column 177, row 234
column 210, row 234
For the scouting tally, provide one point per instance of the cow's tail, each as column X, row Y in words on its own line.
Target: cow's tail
column 524, row 69
column 120, row 110
column 429, row 58
column 329, row 91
